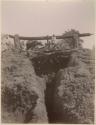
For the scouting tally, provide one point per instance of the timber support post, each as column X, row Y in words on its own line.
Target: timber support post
column 17, row 44
column 74, row 58
column 76, row 40
column 48, row 42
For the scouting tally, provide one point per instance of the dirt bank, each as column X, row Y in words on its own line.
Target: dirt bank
column 22, row 91
column 74, row 96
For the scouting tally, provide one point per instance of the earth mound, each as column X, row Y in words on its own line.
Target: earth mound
column 22, row 91
column 74, row 96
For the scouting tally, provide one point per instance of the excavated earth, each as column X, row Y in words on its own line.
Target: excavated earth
column 48, row 92
column 74, row 96
column 23, row 99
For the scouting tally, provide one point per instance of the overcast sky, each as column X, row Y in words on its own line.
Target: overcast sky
column 29, row 18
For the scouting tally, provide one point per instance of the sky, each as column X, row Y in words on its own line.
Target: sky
column 28, row 18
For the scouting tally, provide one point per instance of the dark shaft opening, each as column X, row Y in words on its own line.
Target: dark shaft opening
column 48, row 66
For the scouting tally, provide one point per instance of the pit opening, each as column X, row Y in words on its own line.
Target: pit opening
column 47, row 67
column 49, row 64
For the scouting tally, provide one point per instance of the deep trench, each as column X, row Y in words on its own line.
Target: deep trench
column 49, row 69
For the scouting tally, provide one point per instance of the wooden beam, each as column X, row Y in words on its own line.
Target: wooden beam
column 50, row 37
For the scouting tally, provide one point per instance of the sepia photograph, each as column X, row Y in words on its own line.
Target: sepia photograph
column 48, row 61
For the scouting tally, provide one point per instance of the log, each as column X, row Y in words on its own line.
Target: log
column 49, row 37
